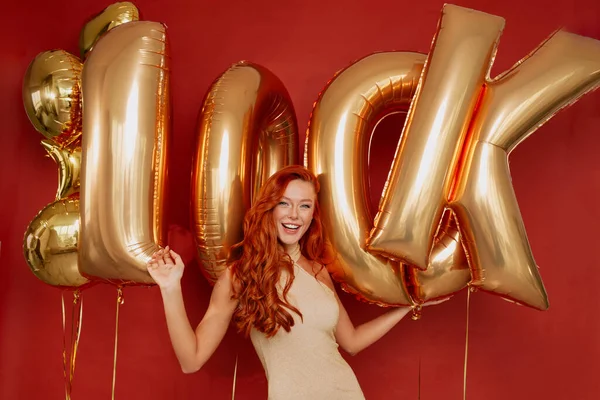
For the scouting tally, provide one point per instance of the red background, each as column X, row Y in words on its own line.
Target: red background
column 515, row 352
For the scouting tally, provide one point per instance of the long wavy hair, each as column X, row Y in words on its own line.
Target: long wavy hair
column 259, row 260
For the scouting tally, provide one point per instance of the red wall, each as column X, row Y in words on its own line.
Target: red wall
column 514, row 352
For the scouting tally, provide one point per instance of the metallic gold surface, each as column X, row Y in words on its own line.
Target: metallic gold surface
column 452, row 158
column 70, row 352
column 69, row 168
column 50, row 245
column 52, row 96
column 513, row 106
column 423, row 170
column 448, row 269
column 337, row 146
column 247, row 130
column 124, row 152
column 112, row 16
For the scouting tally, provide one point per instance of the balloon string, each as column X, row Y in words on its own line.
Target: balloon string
column 420, row 354
column 69, row 366
column 466, row 346
column 64, row 352
column 234, row 378
column 76, row 323
column 120, row 301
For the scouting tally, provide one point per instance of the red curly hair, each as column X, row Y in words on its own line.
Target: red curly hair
column 260, row 260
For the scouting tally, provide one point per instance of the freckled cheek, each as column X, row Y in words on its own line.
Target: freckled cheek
column 278, row 213
column 307, row 218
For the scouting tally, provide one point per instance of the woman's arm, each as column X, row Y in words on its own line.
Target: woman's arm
column 192, row 348
column 355, row 339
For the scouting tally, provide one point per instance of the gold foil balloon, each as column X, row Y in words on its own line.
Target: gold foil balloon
column 247, row 130
column 50, row 245
column 422, row 172
column 68, row 161
column 337, row 145
column 511, row 108
column 453, row 153
column 124, row 153
column 112, row 16
column 52, row 96
column 448, row 268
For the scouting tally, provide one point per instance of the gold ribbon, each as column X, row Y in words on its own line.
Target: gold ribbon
column 420, row 355
column 76, row 323
column 466, row 344
column 234, row 378
column 120, row 301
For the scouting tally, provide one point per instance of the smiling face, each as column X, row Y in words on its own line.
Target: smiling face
column 294, row 213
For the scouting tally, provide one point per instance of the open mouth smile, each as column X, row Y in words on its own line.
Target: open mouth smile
column 290, row 228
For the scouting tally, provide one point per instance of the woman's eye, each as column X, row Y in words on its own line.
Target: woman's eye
column 282, row 203
column 305, row 205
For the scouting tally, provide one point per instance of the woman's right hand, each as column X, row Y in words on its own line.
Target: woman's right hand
column 166, row 268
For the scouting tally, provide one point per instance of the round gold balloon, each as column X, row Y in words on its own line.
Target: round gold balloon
column 50, row 245
column 114, row 15
column 69, row 165
column 52, row 96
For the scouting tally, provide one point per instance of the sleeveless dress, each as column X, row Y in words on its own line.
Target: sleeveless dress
column 305, row 364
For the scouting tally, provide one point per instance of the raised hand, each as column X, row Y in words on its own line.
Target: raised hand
column 166, row 268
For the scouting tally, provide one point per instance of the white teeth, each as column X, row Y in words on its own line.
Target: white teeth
column 291, row 226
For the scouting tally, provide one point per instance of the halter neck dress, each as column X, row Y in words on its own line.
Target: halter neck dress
column 305, row 363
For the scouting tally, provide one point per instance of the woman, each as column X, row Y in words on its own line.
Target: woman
column 277, row 292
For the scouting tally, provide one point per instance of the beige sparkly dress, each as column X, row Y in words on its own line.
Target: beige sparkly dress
column 306, row 363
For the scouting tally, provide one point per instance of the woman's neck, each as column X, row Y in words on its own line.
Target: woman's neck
column 293, row 251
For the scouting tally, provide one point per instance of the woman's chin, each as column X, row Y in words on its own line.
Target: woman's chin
column 288, row 240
